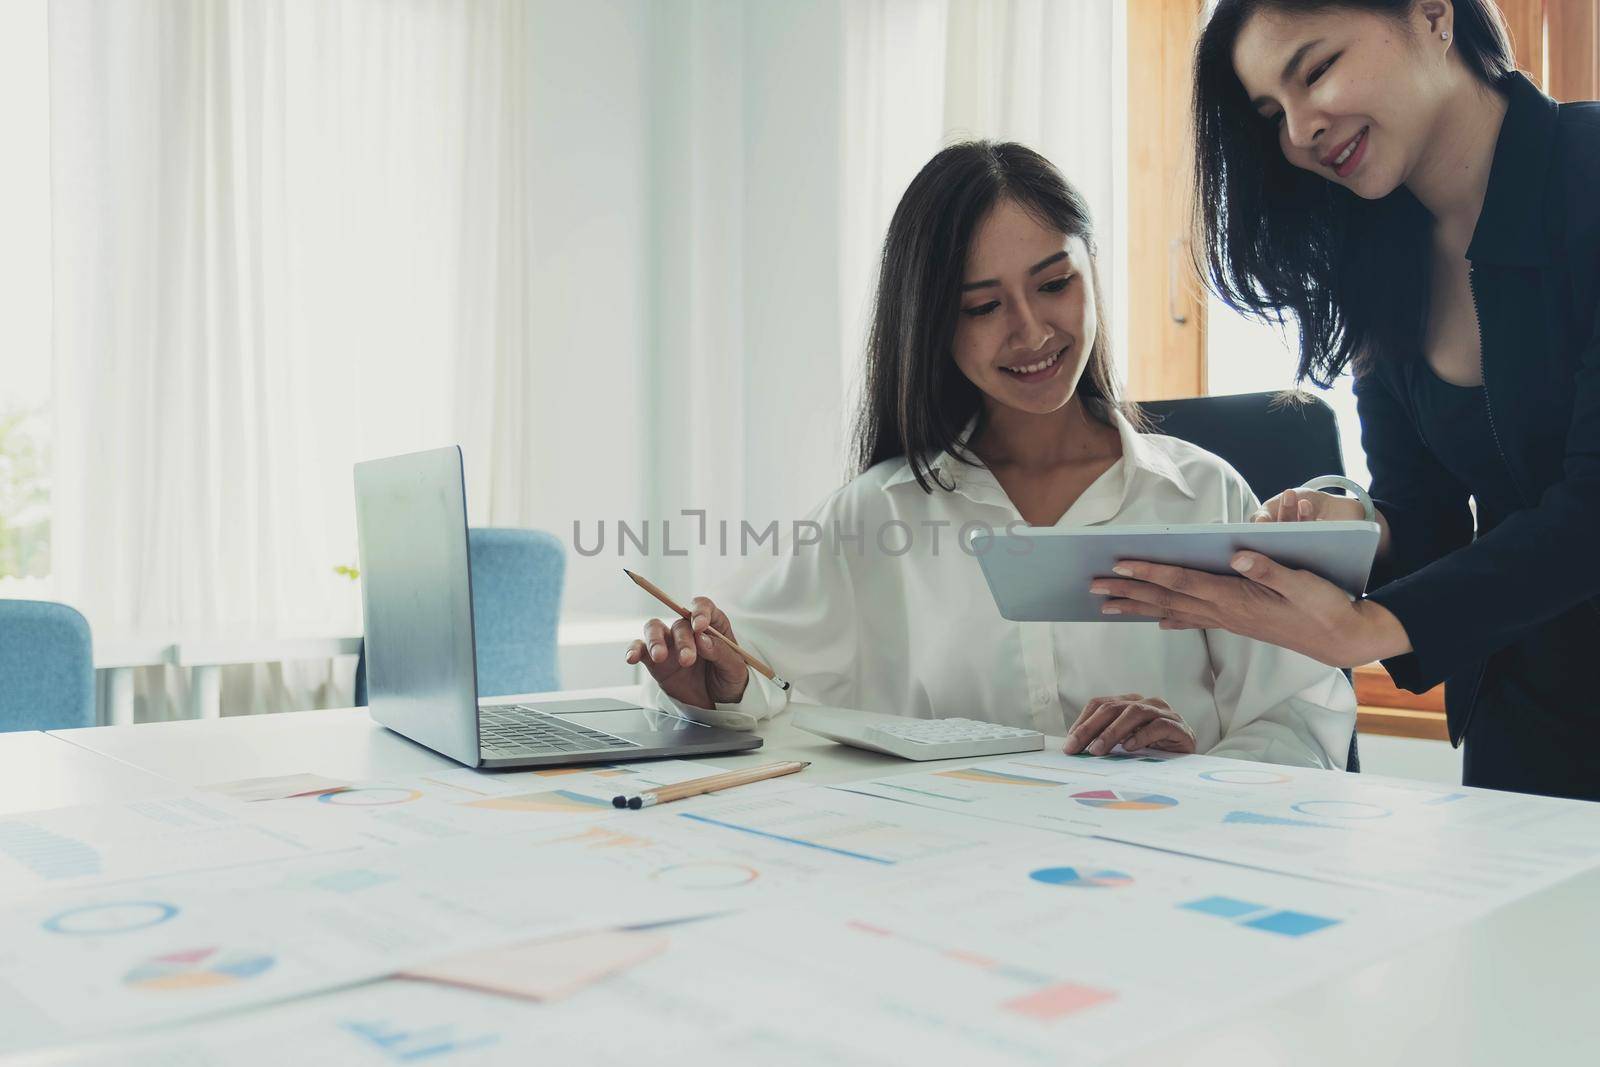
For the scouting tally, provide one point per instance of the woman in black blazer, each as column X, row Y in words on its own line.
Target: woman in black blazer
column 1431, row 220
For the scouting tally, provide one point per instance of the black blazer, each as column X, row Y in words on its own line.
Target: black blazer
column 1510, row 621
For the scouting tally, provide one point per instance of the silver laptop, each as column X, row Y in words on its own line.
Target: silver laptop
column 422, row 675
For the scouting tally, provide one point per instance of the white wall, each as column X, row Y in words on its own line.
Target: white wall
column 1409, row 757
column 590, row 302
column 792, row 138
column 1247, row 356
column 24, row 190
column 747, row 417
column 25, row 290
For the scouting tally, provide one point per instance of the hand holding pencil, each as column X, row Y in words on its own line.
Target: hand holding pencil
column 696, row 659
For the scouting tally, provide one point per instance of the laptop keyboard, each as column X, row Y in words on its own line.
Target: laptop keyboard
column 520, row 730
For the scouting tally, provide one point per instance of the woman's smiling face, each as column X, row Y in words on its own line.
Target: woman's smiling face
column 1027, row 321
column 1354, row 94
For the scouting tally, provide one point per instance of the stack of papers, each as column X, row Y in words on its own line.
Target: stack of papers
column 1039, row 908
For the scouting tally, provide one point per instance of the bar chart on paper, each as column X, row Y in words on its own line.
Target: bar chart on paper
column 965, row 785
column 377, row 1025
column 920, row 995
column 554, row 801
column 1254, row 916
column 1470, row 846
column 62, row 848
column 406, row 1043
column 832, row 826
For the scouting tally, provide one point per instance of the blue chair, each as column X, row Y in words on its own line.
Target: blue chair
column 1274, row 444
column 47, row 662
column 516, row 607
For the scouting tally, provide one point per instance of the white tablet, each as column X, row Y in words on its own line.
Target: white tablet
column 1042, row 574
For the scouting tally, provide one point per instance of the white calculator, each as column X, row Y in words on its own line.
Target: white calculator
column 917, row 739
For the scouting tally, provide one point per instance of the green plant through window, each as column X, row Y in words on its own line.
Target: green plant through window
column 24, row 493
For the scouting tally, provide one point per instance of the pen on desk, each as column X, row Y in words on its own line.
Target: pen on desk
column 709, row 784
column 755, row 664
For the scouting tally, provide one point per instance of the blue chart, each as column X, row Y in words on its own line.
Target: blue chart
column 820, row 845
column 1341, row 809
column 1259, row 916
column 350, row 881
column 46, row 853
column 1252, row 818
column 1081, row 878
column 400, row 1044
column 118, row 918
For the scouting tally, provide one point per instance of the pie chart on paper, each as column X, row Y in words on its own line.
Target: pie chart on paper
column 371, row 796
column 1124, row 800
column 1081, row 877
column 199, row 968
column 1245, row 776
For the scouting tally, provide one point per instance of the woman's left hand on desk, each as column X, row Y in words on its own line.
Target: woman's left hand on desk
column 1131, row 720
column 1291, row 608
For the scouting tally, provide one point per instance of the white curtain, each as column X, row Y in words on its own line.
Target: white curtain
column 621, row 251
column 698, row 362
column 783, row 137
column 287, row 236
column 921, row 74
column 748, row 393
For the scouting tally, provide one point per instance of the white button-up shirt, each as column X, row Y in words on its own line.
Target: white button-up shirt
column 852, row 621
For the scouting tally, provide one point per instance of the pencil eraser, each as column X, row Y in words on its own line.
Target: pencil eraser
column 619, row 802
column 635, row 803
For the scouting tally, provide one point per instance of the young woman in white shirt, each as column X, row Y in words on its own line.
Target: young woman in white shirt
column 991, row 400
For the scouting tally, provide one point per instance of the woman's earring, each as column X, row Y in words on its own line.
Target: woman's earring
column 1445, row 36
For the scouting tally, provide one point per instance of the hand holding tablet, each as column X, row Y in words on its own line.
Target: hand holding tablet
column 1043, row 574
column 1306, row 504
column 1296, row 585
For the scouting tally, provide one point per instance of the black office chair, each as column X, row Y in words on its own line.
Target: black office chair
column 1275, row 442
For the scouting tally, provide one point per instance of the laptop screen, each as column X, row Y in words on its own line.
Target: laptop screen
column 416, row 596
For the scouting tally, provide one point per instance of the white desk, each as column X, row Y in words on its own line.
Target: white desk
column 341, row 744
column 38, row 771
column 1518, row 986
column 589, row 648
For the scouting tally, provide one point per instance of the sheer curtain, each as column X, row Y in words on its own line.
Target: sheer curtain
column 278, row 252
column 698, row 362
column 620, row 251
column 920, row 74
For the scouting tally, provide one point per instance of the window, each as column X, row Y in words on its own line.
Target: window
column 1247, row 356
column 25, row 328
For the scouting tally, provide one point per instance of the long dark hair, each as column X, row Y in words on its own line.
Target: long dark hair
column 1272, row 238
column 917, row 401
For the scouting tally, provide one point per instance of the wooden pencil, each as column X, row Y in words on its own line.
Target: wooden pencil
column 672, row 605
column 709, row 784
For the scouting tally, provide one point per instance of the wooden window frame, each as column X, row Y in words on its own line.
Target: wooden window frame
column 1166, row 304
